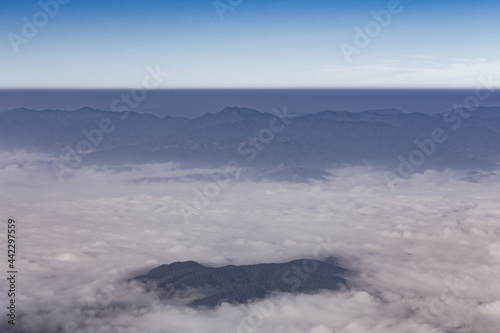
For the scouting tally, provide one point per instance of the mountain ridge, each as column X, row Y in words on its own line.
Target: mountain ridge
column 245, row 283
column 259, row 139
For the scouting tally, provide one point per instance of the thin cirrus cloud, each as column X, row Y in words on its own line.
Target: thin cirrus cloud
column 418, row 56
column 420, row 256
column 455, row 73
column 257, row 44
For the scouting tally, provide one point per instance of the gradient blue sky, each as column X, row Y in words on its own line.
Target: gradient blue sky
column 260, row 44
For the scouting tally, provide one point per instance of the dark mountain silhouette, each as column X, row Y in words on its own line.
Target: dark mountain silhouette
column 241, row 284
column 258, row 139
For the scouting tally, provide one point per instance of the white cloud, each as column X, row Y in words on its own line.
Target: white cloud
column 423, row 257
column 418, row 56
column 419, row 74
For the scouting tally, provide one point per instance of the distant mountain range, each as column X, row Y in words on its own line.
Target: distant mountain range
column 280, row 145
column 241, row 284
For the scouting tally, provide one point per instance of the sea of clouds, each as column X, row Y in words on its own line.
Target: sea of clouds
column 424, row 254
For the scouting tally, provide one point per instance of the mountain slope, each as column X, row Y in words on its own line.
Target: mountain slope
column 257, row 139
column 241, row 284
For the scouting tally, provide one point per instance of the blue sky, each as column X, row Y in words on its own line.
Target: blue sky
column 258, row 44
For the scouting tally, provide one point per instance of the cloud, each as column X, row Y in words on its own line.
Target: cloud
column 423, row 258
column 418, row 56
column 449, row 74
column 479, row 60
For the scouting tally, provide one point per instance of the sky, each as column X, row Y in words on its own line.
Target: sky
column 424, row 257
column 75, row 44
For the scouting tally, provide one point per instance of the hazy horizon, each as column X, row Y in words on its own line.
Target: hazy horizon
column 195, row 102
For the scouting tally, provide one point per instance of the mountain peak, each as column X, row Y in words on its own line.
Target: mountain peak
column 87, row 109
column 238, row 110
column 385, row 112
column 245, row 283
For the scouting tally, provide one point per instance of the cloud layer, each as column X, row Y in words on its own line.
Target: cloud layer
column 425, row 257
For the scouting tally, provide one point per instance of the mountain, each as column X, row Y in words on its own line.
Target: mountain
column 385, row 111
column 276, row 142
column 242, row 284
